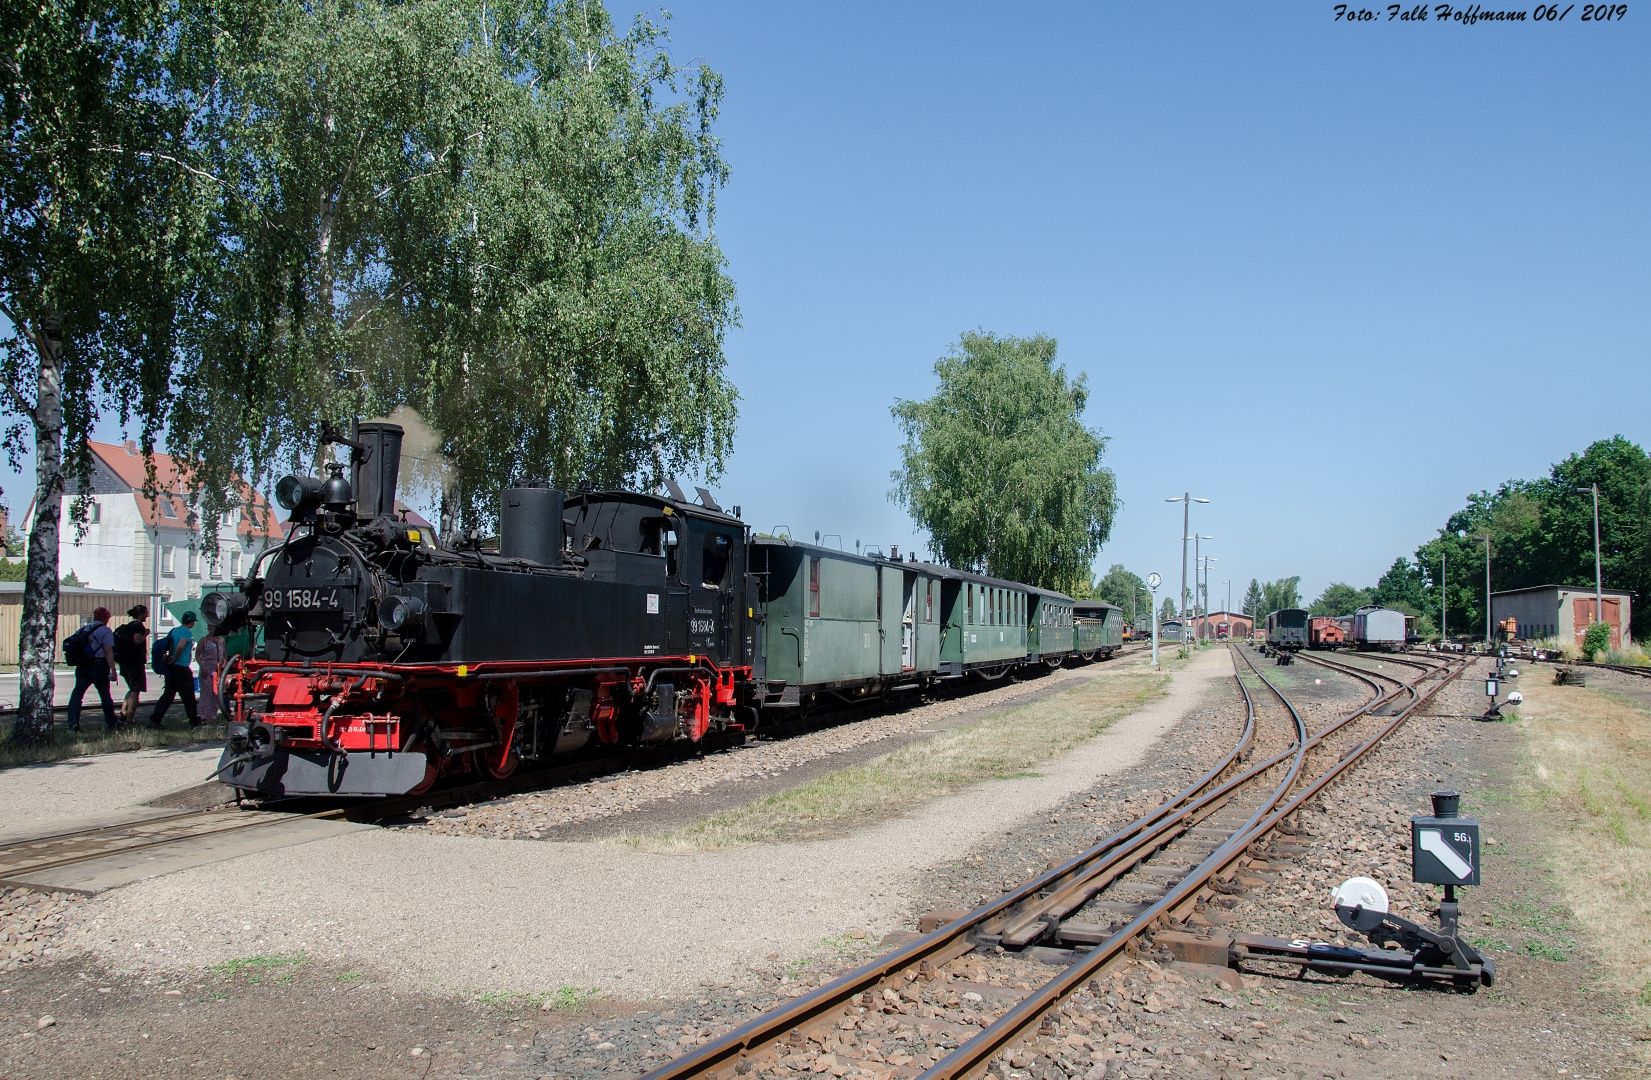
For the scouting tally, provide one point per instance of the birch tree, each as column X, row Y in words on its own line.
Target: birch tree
column 1000, row 469
column 496, row 213
column 99, row 215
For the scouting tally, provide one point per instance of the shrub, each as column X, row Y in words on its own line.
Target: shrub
column 1596, row 640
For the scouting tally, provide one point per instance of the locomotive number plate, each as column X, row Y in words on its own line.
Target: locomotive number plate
column 702, row 626
column 302, row 599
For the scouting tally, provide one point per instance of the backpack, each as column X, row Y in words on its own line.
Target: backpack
column 160, row 655
column 75, row 646
column 127, row 649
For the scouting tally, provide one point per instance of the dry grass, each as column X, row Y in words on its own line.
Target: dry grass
column 63, row 744
column 1588, row 753
column 998, row 747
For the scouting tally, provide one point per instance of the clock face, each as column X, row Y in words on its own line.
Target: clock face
column 1153, row 581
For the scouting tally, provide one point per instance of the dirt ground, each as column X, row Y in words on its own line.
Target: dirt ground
column 1549, row 1013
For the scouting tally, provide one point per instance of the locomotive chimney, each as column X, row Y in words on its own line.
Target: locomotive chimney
column 530, row 524
column 375, row 469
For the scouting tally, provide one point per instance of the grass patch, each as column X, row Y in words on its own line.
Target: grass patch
column 256, row 968
column 1588, row 779
column 999, row 747
column 63, row 744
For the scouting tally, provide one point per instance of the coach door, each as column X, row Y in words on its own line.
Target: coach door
column 891, row 598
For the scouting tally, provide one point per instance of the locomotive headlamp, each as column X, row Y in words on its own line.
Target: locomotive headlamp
column 218, row 607
column 401, row 614
column 298, row 494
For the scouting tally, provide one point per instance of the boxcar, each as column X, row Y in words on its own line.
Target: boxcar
column 1099, row 628
column 1378, row 628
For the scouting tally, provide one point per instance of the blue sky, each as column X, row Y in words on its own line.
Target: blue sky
column 1331, row 277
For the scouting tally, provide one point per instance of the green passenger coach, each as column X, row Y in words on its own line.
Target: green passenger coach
column 840, row 627
column 1050, row 629
column 1100, row 629
column 834, row 621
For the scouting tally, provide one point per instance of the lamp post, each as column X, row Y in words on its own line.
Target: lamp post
column 1204, row 606
column 1186, row 501
column 1486, row 539
column 1442, row 601
column 1599, row 591
column 1195, row 538
column 1153, row 581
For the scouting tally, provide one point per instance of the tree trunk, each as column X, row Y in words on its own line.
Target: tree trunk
column 37, row 644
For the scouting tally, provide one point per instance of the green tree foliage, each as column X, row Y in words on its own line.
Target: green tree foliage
column 100, row 220
column 1283, row 593
column 1339, row 598
column 999, row 468
column 1127, row 590
column 498, row 213
column 1253, row 601
column 1166, row 611
column 1403, row 588
column 1541, row 532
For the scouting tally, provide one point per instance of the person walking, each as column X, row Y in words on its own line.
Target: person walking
column 97, row 646
column 180, row 680
column 131, row 647
column 213, row 653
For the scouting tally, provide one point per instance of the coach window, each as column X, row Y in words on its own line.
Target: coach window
column 928, row 602
column 970, row 600
column 714, row 559
column 813, row 587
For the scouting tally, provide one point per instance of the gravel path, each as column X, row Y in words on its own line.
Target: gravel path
column 473, row 914
column 35, row 799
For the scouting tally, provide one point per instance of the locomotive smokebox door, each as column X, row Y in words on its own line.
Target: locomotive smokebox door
column 1444, row 848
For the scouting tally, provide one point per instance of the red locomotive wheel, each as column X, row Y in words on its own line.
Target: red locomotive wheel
column 429, row 781
column 499, row 764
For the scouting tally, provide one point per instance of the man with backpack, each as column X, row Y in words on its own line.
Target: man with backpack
column 171, row 660
column 89, row 649
column 129, row 653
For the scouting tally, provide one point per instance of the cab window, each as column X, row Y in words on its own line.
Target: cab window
column 713, row 566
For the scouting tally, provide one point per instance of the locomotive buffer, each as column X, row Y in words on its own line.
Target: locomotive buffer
column 1444, row 850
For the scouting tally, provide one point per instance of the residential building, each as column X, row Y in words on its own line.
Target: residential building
column 135, row 544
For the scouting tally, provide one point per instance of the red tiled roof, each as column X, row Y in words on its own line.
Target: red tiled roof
column 256, row 518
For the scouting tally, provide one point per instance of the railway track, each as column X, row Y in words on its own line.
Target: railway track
column 1089, row 912
column 19, row 860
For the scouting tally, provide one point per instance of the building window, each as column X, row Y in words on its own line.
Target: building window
column 813, row 588
column 95, row 514
column 166, row 560
column 234, row 562
column 168, row 510
column 229, row 518
column 194, row 562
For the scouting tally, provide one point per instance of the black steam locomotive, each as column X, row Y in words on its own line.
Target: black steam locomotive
column 618, row 617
